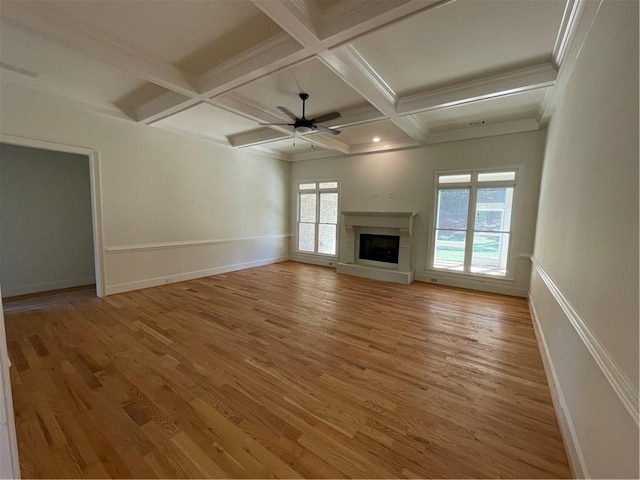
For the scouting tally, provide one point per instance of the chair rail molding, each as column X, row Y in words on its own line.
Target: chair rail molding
column 621, row 385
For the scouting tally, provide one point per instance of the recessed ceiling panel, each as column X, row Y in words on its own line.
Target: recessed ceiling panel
column 59, row 70
column 363, row 134
column 462, row 40
column 327, row 92
column 194, row 35
column 208, row 120
column 512, row 107
column 289, row 145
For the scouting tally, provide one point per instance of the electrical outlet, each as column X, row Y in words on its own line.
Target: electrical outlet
column 434, row 280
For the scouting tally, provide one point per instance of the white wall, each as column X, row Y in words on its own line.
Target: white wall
column 172, row 208
column 585, row 290
column 409, row 175
column 9, row 464
column 46, row 232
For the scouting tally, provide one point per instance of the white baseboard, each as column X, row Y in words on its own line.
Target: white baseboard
column 313, row 260
column 569, row 436
column 472, row 283
column 181, row 277
column 12, row 291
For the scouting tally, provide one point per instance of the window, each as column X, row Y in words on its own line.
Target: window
column 318, row 217
column 472, row 230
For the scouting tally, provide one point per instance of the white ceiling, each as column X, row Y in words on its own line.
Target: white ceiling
column 411, row 72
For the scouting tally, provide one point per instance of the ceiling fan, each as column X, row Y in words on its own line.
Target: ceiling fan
column 305, row 125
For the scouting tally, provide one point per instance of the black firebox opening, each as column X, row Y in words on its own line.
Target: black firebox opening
column 380, row 248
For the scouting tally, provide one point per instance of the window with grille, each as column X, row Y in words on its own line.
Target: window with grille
column 318, row 217
column 472, row 231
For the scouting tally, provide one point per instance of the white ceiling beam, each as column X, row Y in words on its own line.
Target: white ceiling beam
column 353, row 69
column 278, row 52
column 44, row 20
column 539, row 76
column 256, row 137
column 162, row 106
column 296, row 17
column 326, row 141
column 492, row 129
column 300, row 20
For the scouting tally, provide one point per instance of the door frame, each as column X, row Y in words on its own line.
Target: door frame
column 96, row 195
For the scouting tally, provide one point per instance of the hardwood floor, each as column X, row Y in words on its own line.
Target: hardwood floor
column 287, row 370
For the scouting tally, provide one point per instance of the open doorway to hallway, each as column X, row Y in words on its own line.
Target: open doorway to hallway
column 46, row 226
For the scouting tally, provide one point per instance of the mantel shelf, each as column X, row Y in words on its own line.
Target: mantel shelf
column 380, row 214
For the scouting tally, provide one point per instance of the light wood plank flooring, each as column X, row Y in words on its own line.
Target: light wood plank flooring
column 287, row 370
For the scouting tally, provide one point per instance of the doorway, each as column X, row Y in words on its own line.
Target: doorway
column 50, row 219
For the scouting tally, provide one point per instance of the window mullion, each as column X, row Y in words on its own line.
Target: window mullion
column 471, row 218
column 317, row 226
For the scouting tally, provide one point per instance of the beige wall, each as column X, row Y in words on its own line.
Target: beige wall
column 585, row 291
column 409, row 176
column 172, row 208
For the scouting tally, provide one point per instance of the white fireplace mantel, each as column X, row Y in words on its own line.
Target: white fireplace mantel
column 393, row 223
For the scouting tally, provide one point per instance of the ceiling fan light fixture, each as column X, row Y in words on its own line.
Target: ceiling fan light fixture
column 302, row 129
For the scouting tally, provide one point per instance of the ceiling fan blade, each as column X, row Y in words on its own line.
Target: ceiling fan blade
column 287, row 112
column 322, row 129
column 326, row 117
column 283, row 124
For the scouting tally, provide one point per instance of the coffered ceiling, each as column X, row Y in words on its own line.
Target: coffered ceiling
column 409, row 72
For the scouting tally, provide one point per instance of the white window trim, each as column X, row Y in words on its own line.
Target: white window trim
column 297, row 222
column 516, row 183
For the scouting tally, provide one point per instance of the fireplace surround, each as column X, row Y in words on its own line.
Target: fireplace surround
column 391, row 228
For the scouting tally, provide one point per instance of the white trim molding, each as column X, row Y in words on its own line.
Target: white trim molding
column 621, row 385
column 144, row 247
column 569, row 435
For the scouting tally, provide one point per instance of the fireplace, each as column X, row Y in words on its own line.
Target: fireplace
column 379, row 248
column 377, row 245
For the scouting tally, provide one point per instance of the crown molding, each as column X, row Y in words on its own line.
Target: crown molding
column 488, row 130
column 517, row 81
column 268, row 152
column 56, row 91
column 573, row 34
column 314, row 155
column 43, row 19
column 216, row 139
